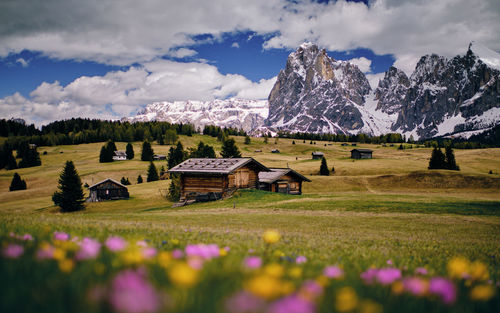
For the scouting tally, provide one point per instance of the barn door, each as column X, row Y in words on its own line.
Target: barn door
column 244, row 176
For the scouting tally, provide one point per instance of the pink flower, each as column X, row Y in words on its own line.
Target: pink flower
column 421, row 271
column 45, row 252
column 253, row 262
column 443, row 288
column 387, row 276
column 369, row 275
column 142, row 243
column 244, row 302
column 301, row 259
column 13, row 251
column 415, row 286
column 333, row 272
column 311, row 289
column 195, row 263
column 203, row 251
column 132, row 293
column 116, row 244
column 227, row 248
column 292, row 304
column 389, row 262
column 149, row 252
column 89, row 249
column 177, row 254
column 27, row 237
column 58, row 235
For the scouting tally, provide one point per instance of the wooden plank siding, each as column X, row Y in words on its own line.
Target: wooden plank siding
column 203, row 184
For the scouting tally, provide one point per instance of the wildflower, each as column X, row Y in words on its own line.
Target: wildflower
column 252, row 262
column 195, row 263
column 295, row 272
column 142, row 243
column 27, row 237
column 13, row 251
column 148, row 252
column 369, row 275
column 482, row 292
column 115, row 244
column 59, row 254
column 58, row 235
column 244, row 302
column 46, row 251
column 310, row 290
column 479, row 271
column 458, row 267
column 132, row 293
column 397, row 287
column 386, row 276
column 415, row 286
column 174, row 242
column 274, row 270
column 132, row 256
column 443, row 288
column 322, row 280
column 203, row 251
column 421, row 271
column 346, row 299
column 177, row 254
column 164, row 259
column 183, row 275
column 66, row 265
column 89, row 249
column 264, row 286
column 271, row 236
column 223, row 252
column 334, row 272
column 389, row 262
column 292, row 304
column 301, row 259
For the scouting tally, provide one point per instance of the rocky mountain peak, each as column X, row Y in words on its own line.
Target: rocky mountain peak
column 391, row 90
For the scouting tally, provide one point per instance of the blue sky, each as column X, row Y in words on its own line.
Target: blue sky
column 108, row 59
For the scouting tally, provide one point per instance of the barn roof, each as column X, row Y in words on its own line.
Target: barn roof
column 214, row 166
column 362, row 150
column 317, row 153
column 107, row 179
column 277, row 173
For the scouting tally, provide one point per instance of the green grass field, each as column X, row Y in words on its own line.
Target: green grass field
column 366, row 213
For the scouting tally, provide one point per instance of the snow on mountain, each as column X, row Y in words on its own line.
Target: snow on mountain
column 488, row 56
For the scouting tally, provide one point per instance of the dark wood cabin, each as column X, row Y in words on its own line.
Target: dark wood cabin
column 275, row 151
column 158, row 157
column 120, row 155
column 284, row 180
column 107, row 189
column 317, row 155
column 211, row 179
column 361, row 154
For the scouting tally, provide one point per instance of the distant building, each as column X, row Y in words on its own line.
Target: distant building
column 158, row 157
column 283, row 180
column 275, row 151
column 120, row 155
column 343, row 144
column 361, row 154
column 317, row 155
column 107, row 189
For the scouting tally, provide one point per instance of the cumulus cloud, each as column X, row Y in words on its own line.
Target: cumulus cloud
column 182, row 53
column 363, row 63
column 22, row 61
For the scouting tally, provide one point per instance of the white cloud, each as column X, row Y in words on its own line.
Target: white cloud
column 235, row 45
column 373, row 79
column 182, row 53
column 23, row 62
column 363, row 63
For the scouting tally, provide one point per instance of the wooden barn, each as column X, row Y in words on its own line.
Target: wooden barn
column 120, row 155
column 361, row 154
column 284, row 180
column 210, row 179
column 317, row 155
column 107, row 189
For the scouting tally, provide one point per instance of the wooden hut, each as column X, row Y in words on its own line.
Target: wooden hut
column 107, row 189
column 209, row 179
column 317, row 155
column 120, row 155
column 361, row 154
column 284, row 180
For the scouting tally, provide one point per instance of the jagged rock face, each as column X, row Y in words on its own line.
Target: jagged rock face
column 391, row 91
column 315, row 93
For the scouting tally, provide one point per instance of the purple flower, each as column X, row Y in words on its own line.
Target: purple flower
column 27, row 237
column 415, row 286
column 177, row 254
column 116, row 244
column 310, row 289
column 12, row 251
column 253, row 262
column 142, row 243
column 389, row 262
column 291, row 304
column 333, row 272
column 387, row 276
column 149, row 252
column 301, row 259
column 203, row 251
column 421, row 271
column 89, row 249
column 132, row 293
column 46, row 251
column 59, row 235
column 443, row 288
column 369, row 275
column 244, row 302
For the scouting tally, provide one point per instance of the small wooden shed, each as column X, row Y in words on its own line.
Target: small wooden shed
column 317, row 155
column 107, row 189
column 216, row 178
column 120, row 155
column 361, row 154
column 284, row 180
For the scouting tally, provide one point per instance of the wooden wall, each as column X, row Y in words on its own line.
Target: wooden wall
column 202, row 184
column 244, row 177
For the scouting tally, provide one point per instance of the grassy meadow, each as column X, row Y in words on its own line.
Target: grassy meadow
column 385, row 212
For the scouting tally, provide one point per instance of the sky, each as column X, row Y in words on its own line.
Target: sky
column 108, row 59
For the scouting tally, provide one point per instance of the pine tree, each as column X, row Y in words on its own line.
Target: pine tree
column 451, row 163
column 437, row 160
column 174, row 190
column 124, row 181
column 147, row 152
column 176, row 156
column 265, row 139
column 323, row 169
column 202, row 151
column 10, row 160
column 293, row 142
column 107, row 152
column 139, row 179
column 247, row 140
column 129, row 150
column 152, row 173
column 70, row 196
column 17, row 183
column 230, row 150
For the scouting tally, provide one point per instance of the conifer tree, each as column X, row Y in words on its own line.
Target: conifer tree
column 152, row 173
column 139, row 179
column 202, row 151
column 125, row 181
column 323, row 169
column 147, row 152
column 129, row 151
column 451, row 163
column 230, row 150
column 17, row 183
column 247, row 140
column 437, row 160
column 265, row 139
column 10, row 160
column 174, row 190
column 70, row 196
column 176, row 156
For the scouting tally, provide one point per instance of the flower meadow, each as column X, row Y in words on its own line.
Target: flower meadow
column 64, row 272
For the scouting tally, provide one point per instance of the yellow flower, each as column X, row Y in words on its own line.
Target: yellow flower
column 346, row 299
column 274, row 270
column 458, row 267
column 264, row 286
column 59, row 254
column 482, row 292
column 271, row 236
column 66, row 265
column 164, row 259
column 174, row 242
column 279, row 254
column 183, row 275
column 479, row 271
column 132, row 256
column 295, row 272
column 369, row 306
column 323, row 280
column 222, row 252
column 397, row 287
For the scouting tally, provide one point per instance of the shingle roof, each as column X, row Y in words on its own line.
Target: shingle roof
column 362, row 150
column 213, row 166
column 317, row 153
column 277, row 173
column 112, row 180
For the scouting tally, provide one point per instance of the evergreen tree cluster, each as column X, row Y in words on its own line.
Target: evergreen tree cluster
column 7, row 159
column 129, row 151
column 202, row 151
column 229, row 149
column 70, row 195
column 216, row 131
column 362, row 138
column 152, row 173
column 107, row 152
column 124, row 181
column 445, row 161
column 17, row 127
column 176, row 155
column 147, row 152
column 17, row 183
